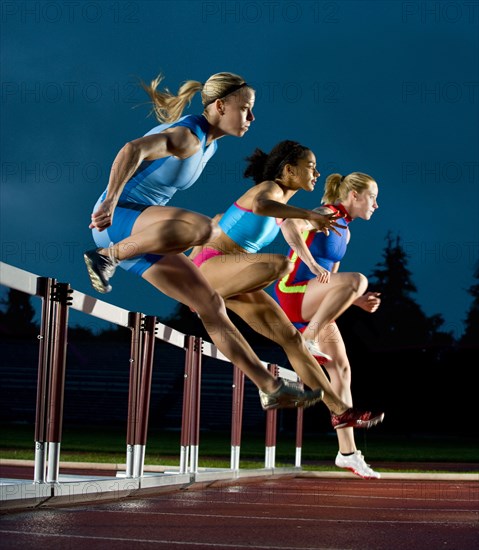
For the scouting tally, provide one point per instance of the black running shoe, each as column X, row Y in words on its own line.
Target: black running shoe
column 101, row 269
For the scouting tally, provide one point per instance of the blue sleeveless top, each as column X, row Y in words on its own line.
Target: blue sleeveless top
column 326, row 250
column 156, row 181
column 248, row 230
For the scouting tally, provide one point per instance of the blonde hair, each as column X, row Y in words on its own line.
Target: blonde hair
column 169, row 107
column 337, row 187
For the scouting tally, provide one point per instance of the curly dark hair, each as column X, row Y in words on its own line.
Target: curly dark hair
column 263, row 166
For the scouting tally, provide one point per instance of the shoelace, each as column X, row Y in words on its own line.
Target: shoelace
column 360, row 454
column 109, row 266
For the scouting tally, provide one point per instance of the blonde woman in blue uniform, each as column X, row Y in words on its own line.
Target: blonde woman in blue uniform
column 135, row 229
column 314, row 305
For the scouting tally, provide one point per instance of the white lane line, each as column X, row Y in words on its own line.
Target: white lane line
column 171, row 542
column 305, row 520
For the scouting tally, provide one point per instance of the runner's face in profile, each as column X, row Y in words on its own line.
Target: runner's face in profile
column 366, row 202
column 238, row 112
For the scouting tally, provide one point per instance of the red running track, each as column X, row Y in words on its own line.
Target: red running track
column 276, row 514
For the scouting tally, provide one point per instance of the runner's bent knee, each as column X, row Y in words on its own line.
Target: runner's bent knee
column 210, row 304
column 288, row 334
column 280, row 266
column 206, row 230
column 360, row 283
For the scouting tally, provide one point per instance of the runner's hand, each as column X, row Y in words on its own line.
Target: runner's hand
column 103, row 216
column 322, row 275
column 369, row 301
column 326, row 222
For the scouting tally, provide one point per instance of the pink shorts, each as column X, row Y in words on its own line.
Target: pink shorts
column 205, row 255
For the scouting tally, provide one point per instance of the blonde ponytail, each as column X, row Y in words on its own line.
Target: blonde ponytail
column 332, row 189
column 167, row 106
column 337, row 187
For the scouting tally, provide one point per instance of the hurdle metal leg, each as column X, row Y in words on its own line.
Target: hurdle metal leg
column 190, row 426
column 134, row 323
column 299, row 437
column 237, row 417
column 141, row 432
column 271, row 423
column 141, row 369
column 51, row 377
column 44, row 290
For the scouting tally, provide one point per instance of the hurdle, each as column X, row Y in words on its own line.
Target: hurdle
column 57, row 298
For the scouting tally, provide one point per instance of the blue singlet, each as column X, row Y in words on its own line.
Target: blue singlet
column 248, row 230
column 154, row 183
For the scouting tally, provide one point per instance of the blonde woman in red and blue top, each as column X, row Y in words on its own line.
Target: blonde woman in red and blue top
column 314, row 304
column 135, row 229
column 233, row 265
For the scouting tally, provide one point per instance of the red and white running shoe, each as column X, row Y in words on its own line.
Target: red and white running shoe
column 313, row 349
column 356, row 419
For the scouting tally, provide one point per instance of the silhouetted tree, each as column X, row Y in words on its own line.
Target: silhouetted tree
column 471, row 333
column 17, row 319
column 400, row 321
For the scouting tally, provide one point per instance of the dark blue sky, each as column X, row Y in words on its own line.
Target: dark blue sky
column 390, row 88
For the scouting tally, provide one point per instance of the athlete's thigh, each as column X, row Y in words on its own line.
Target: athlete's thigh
column 316, row 292
column 260, row 307
column 170, row 214
column 231, row 273
column 177, row 277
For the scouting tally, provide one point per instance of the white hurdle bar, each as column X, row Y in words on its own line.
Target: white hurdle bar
column 57, row 298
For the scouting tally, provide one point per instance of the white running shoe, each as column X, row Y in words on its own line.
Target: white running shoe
column 357, row 465
column 317, row 353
